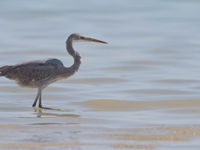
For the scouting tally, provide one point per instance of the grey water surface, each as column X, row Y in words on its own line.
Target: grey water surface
column 141, row 91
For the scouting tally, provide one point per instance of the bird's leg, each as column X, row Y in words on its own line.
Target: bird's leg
column 39, row 95
column 40, row 99
column 36, row 98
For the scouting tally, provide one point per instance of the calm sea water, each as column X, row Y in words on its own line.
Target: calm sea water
column 141, row 91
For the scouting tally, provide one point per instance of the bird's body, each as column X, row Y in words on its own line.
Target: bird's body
column 39, row 74
column 33, row 74
column 55, row 70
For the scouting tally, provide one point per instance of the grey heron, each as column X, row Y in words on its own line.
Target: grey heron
column 39, row 74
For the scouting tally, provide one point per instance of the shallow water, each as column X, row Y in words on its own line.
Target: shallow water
column 141, row 91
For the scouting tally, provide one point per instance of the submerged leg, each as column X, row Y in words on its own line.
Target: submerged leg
column 36, row 98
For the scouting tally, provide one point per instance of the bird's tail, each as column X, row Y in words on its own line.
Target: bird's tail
column 4, row 70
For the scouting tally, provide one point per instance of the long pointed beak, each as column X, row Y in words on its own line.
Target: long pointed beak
column 93, row 40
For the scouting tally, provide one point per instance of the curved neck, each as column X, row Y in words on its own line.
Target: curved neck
column 69, row 47
column 75, row 55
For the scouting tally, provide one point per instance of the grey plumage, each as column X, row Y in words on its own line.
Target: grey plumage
column 39, row 74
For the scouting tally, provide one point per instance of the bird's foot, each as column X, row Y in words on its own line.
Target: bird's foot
column 48, row 108
column 41, row 107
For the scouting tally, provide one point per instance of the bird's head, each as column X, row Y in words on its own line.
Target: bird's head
column 77, row 37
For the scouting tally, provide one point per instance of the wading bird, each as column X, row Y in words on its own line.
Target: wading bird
column 39, row 74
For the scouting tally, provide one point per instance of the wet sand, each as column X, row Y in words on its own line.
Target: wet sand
column 96, row 128
column 117, row 105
